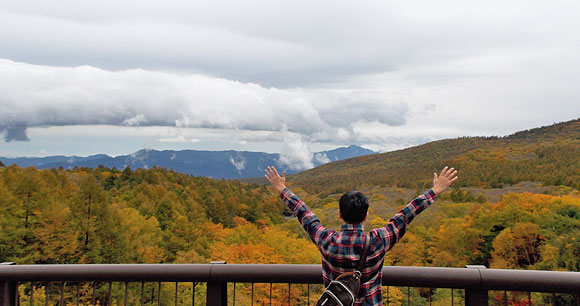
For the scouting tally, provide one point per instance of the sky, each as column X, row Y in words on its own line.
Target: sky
column 290, row 77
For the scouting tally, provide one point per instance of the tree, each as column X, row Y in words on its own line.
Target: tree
column 518, row 247
column 90, row 209
column 563, row 253
column 27, row 190
column 11, row 231
column 458, row 243
column 56, row 241
column 127, row 174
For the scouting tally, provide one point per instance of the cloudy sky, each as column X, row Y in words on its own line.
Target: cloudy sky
column 293, row 77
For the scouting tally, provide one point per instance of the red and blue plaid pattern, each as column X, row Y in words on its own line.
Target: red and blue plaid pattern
column 341, row 250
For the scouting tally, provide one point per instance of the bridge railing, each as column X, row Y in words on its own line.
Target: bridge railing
column 476, row 281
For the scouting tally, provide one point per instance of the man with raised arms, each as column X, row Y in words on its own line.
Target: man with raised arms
column 341, row 250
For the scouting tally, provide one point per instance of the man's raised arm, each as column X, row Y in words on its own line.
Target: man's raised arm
column 305, row 216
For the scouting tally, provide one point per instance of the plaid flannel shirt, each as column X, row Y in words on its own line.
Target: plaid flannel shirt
column 341, row 250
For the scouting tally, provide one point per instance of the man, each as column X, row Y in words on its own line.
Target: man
column 341, row 250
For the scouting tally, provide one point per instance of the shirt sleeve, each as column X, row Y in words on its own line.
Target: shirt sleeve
column 306, row 217
column 397, row 226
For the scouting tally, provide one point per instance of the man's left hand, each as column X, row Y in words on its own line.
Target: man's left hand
column 277, row 181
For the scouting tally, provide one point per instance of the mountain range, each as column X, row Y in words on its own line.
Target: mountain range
column 214, row 164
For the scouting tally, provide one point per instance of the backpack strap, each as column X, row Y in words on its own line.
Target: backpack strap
column 363, row 256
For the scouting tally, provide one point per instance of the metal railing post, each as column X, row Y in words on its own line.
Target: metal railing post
column 476, row 297
column 217, row 292
column 8, row 291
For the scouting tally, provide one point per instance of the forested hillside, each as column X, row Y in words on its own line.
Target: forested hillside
column 550, row 155
column 111, row 216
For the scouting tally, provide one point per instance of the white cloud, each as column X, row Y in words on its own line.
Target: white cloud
column 33, row 96
column 179, row 138
column 296, row 154
column 135, row 121
column 239, row 164
column 321, row 158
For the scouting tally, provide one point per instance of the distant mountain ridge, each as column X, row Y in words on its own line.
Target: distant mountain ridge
column 216, row 164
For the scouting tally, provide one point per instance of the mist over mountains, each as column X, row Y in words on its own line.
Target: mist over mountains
column 214, row 164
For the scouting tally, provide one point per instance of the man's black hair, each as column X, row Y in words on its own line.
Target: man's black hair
column 353, row 207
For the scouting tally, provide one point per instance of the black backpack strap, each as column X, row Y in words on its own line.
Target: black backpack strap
column 363, row 256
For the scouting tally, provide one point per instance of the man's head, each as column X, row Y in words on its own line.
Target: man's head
column 353, row 207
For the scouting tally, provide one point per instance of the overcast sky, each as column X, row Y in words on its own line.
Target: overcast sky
column 293, row 77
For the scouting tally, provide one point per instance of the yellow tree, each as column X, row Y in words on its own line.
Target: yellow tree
column 56, row 241
column 143, row 236
column 518, row 247
column 457, row 243
column 28, row 186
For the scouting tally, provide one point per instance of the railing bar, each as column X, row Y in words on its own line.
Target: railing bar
column 452, row 297
column 270, row 294
column 93, row 297
column 142, row 293
column 46, row 294
column 62, row 284
column 159, row 294
column 176, row 287
column 17, row 294
column 308, row 294
column 31, row 293
column 252, row 298
column 99, row 297
column 109, row 294
column 126, row 292
column 409, row 296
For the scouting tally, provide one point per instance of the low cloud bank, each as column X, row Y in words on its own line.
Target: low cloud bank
column 42, row 96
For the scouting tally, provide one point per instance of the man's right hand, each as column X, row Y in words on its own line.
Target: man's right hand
column 443, row 181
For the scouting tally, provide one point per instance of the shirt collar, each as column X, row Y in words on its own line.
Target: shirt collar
column 352, row 227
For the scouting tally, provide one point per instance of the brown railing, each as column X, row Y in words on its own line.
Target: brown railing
column 475, row 280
